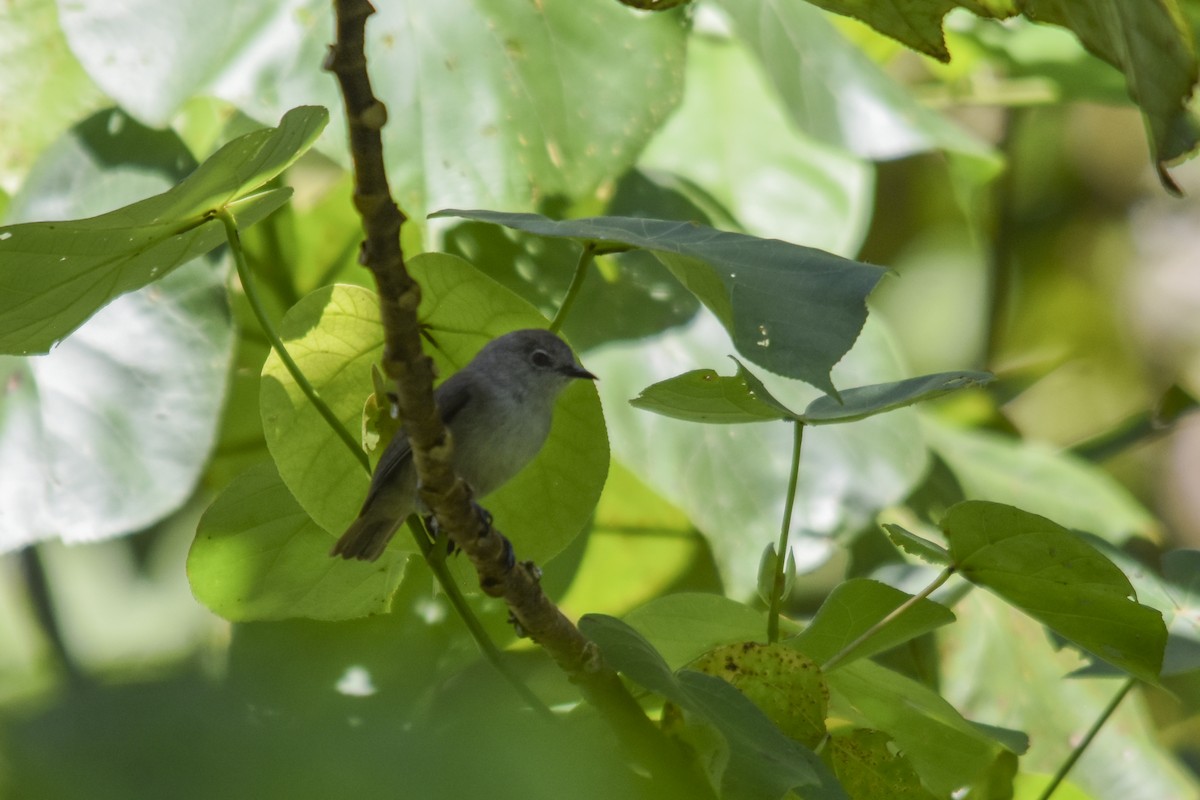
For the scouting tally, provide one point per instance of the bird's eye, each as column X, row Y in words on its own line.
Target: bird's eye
column 540, row 358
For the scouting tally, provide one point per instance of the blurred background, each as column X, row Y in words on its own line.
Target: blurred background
column 1026, row 228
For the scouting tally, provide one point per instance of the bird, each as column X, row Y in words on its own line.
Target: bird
column 499, row 409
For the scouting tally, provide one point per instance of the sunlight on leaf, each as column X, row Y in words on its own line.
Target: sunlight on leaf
column 54, row 275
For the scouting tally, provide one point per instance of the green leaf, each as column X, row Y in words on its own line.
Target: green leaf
column 804, row 54
column 786, row 685
column 704, row 396
column 786, row 185
column 54, row 275
column 109, row 433
column 1059, row 580
column 791, row 309
column 915, row 23
column 551, row 124
column 868, row 765
column 852, row 608
column 918, row 546
column 761, row 761
column 1153, row 46
column 682, row 626
column 865, row 401
column 760, row 391
column 258, row 556
column 924, row 726
column 334, row 336
column 1175, row 593
column 628, row 652
column 1034, row 476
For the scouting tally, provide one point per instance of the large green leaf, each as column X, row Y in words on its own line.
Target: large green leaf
column 760, row 761
column 258, row 556
column 54, row 275
column 852, row 608
column 108, row 433
column 731, row 480
column 335, row 336
column 792, row 309
column 1059, row 580
column 491, row 103
column 784, row 185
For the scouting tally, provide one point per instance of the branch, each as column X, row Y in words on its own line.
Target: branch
column 447, row 497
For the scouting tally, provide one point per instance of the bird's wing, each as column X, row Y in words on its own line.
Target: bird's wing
column 451, row 397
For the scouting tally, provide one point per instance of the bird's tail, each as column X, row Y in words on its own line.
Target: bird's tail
column 366, row 538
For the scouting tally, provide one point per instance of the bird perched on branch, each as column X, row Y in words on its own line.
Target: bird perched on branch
column 498, row 408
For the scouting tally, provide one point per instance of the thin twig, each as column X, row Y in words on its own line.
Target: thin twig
column 1108, row 711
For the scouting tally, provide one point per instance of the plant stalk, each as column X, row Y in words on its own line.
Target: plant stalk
column 781, row 552
column 1108, row 711
column 581, row 268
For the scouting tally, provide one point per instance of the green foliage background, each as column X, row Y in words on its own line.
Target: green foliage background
column 1013, row 176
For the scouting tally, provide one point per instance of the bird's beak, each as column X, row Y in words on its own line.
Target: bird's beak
column 576, row 371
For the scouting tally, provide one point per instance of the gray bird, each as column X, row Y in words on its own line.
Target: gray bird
column 498, row 407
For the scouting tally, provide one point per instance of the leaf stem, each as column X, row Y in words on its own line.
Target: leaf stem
column 1108, row 711
column 781, row 552
column 585, row 258
column 436, row 559
column 248, row 286
column 840, row 655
